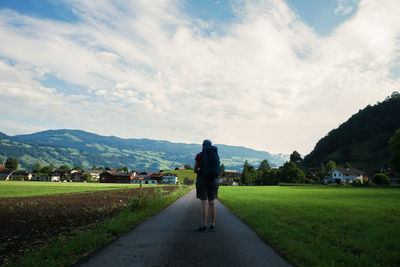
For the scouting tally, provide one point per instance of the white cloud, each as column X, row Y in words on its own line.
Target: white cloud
column 266, row 81
column 345, row 7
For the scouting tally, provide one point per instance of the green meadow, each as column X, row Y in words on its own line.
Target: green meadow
column 28, row 188
column 323, row 225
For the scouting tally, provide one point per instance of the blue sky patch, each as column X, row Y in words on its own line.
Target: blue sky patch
column 52, row 81
column 49, row 9
column 320, row 14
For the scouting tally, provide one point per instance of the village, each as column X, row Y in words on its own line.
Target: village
column 165, row 177
column 110, row 176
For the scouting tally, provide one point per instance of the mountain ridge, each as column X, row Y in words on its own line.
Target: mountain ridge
column 81, row 148
column 363, row 139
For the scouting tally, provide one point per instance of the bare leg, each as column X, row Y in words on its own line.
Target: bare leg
column 213, row 211
column 204, row 211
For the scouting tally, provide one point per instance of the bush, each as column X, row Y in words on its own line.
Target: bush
column 356, row 182
column 380, row 179
column 18, row 178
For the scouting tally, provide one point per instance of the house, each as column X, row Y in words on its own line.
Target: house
column 60, row 174
column 117, row 177
column 2, row 167
column 227, row 178
column 179, row 168
column 157, row 176
column 5, row 175
column 36, row 177
column 94, row 173
column 136, row 180
column 145, row 177
column 344, row 175
column 169, row 179
column 21, row 175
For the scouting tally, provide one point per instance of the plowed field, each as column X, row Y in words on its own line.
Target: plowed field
column 27, row 222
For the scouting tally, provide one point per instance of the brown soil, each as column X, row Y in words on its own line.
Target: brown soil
column 27, row 222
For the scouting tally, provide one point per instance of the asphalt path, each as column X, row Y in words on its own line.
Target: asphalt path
column 169, row 239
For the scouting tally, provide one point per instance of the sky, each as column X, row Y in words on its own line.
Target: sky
column 272, row 75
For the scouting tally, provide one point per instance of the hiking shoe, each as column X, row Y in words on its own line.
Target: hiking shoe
column 202, row 228
column 211, row 228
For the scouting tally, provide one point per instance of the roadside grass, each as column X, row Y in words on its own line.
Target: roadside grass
column 323, row 226
column 67, row 250
column 33, row 188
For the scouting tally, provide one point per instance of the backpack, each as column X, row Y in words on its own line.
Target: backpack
column 210, row 162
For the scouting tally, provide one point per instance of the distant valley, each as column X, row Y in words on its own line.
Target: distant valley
column 80, row 148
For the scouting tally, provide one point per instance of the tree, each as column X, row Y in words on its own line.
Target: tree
column 47, row 169
column 264, row 175
column 330, row 166
column 123, row 169
column 64, row 167
column 290, row 173
column 380, row 179
column 295, row 157
column 12, row 163
column 264, row 166
column 394, row 143
column 78, row 168
column 347, row 165
column 94, row 167
column 222, row 168
column 188, row 167
column 322, row 170
column 248, row 175
column 36, row 168
column 87, row 177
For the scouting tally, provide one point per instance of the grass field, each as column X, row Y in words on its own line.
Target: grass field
column 323, row 226
column 23, row 189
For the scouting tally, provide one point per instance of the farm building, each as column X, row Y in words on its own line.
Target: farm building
column 117, row 177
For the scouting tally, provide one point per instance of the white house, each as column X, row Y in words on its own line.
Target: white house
column 344, row 175
column 169, row 179
column 94, row 173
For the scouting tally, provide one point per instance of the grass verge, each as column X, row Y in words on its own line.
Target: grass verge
column 66, row 250
column 33, row 188
column 323, row 226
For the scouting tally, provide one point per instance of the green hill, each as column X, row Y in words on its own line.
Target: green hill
column 79, row 148
column 363, row 139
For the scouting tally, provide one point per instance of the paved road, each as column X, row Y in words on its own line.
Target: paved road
column 169, row 239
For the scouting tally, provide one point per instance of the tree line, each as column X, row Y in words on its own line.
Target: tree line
column 295, row 171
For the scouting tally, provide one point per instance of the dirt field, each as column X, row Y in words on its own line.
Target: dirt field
column 26, row 222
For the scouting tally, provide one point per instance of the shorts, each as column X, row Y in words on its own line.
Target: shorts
column 206, row 189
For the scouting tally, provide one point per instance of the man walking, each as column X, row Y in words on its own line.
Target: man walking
column 207, row 167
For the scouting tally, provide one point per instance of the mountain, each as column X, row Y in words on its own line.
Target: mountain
column 363, row 139
column 80, row 148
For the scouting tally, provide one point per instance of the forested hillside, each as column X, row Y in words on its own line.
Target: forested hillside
column 79, row 148
column 363, row 139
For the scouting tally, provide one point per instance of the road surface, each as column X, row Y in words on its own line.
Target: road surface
column 169, row 239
